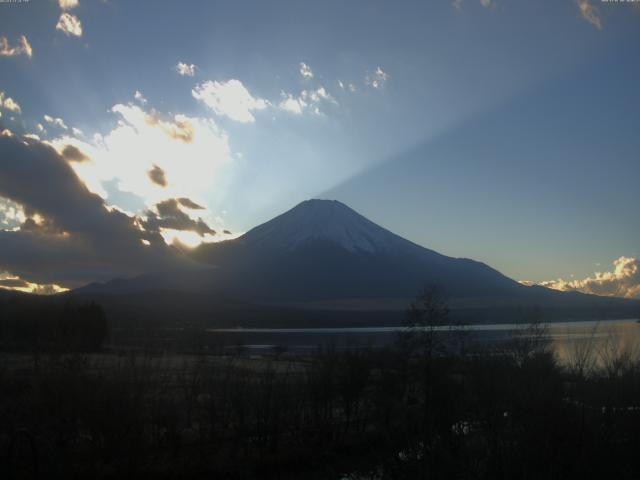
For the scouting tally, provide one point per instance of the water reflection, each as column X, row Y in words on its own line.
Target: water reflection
column 595, row 343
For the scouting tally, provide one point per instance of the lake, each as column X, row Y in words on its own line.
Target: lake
column 568, row 338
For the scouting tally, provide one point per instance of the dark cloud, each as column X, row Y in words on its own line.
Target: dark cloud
column 168, row 208
column 170, row 216
column 188, row 203
column 44, row 226
column 79, row 240
column 158, row 176
column 74, row 154
column 13, row 283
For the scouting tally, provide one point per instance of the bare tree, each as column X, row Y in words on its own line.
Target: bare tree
column 426, row 314
column 530, row 339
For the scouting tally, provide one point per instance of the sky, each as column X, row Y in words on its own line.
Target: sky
column 499, row 130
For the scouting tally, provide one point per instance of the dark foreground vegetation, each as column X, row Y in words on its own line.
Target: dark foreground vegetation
column 436, row 405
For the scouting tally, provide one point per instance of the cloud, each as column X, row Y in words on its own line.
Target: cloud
column 378, row 79
column 185, row 69
column 158, row 176
column 56, row 122
column 487, row 3
column 70, row 236
column 180, row 128
column 74, row 154
column 230, row 99
column 38, row 224
column 189, row 150
column 308, row 100
column 188, row 203
column 140, row 97
column 68, row 4
column 317, row 95
column 11, row 214
column 169, row 216
column 589, row 13
column 346, row 86
column 623, row 281
column 9, row 103
column 70, row 25
column 21, row 48
column 48, row 289
column 13, row 283
column 305, row 70
column 291, row 104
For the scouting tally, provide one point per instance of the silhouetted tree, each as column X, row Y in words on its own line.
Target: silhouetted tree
column 424, row 316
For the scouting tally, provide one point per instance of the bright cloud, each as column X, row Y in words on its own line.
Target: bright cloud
column 185, row 69
column 140, row 97
column 183, row 153
column 21, row 48
column 68, row 4
column 56, row 122
column 11, row 214
column 623, row 281
column 9, row 103
column 308, row 100
column 305, row 70
column 291, row 104
column 378, row 79
column 11, row 282
column 589, row 13
column 231, row 99
column 69, row 25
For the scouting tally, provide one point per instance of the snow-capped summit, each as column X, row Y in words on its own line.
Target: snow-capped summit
column 326, row 221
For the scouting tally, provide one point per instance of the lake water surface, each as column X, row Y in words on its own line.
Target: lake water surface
column 567, row 338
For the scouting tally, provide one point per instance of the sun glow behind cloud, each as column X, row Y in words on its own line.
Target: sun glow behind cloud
column 191, row 239
column 154, row 158
column 11, row 282
column 186, row 238
column 188, row 150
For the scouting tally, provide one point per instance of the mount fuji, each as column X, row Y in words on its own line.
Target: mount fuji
column 322, row 255
column 322, row 249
